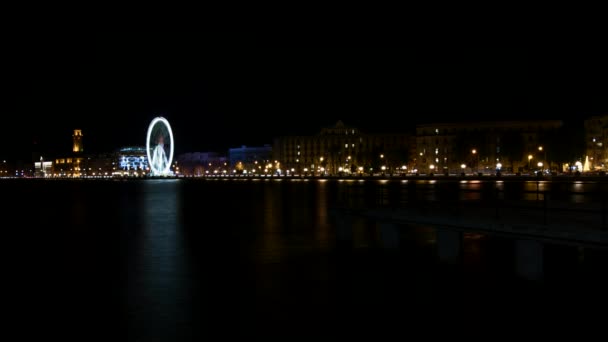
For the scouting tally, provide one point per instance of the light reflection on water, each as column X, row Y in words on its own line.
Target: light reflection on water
column 158, row 276
column 265, row 254
column 470, row 190
column 289, row 238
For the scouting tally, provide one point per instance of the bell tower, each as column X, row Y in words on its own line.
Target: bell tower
column 77, row 137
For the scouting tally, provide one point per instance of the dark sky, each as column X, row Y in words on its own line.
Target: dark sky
column 226, row 95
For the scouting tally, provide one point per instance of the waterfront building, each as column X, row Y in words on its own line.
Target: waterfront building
column 247, row 159
column 485, row 147
column 596, row 138
column 344, row 149
column 201, row 163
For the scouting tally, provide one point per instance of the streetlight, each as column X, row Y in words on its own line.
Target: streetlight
column 540, row 149
column 529, row 160
column 474, row 152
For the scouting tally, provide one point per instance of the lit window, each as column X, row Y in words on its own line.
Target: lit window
column 436, row 130
column 436, row 150
column 345, row 145
column 353, row 132
column 353, row 145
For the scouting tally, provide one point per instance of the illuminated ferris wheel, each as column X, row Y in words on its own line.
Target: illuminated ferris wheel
column 159, row 147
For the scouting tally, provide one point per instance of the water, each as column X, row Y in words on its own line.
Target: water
column 180, row 260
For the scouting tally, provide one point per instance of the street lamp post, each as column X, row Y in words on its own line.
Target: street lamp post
column 540, row 149
column 475, row 158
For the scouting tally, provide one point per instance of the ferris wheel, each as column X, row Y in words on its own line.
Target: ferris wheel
column 159, row 147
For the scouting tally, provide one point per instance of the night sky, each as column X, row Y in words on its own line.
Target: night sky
column 218, row 96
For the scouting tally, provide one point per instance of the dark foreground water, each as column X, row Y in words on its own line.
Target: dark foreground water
column 176, row 260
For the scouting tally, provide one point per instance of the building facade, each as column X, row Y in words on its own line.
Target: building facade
column 131, row 161
column 43, row 169
column 343, row 149
column 72, row 165
column 485, row 147
column 201, row 163
column 596, row 138
column 77, row 141
column 249, row 159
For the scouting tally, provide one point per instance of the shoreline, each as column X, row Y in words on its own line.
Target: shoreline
column 470, row 177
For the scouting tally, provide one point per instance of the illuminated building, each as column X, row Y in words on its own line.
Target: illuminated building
column 481, row 146
column 72, row 165
column 596, row 138
column 5, row 169
column 43, row 169
column 197, row 163
column 131, row 161
column 77, row 138
column 342, row 148
column 249, row 158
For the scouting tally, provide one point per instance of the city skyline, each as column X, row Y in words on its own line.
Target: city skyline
column 112, row 86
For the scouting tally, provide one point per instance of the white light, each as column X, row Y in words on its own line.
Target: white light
column 499, row 166
column 153, row 163
column 463, row 166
